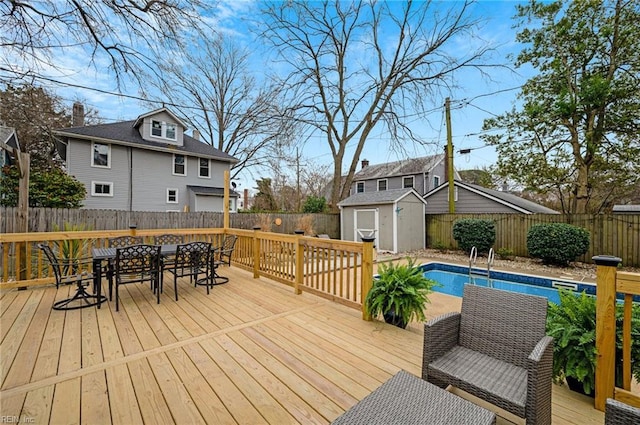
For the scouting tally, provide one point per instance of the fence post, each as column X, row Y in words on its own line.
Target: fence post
column 299, row 262
column 367, row 273
column 256, row 252
column 605, row 328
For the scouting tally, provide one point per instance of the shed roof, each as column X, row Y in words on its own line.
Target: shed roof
column 378, row 198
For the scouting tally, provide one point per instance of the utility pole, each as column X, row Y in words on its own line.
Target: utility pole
column 449, row 165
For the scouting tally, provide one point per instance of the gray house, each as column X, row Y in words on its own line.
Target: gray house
column 147, row 164
column 422, row 174
column 471, row 198
column 395, row 217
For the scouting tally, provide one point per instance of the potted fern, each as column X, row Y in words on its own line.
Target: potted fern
column 399, row 293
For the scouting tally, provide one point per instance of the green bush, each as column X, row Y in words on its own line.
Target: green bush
column 314, row 204
column 557, row 243
column 470, row 232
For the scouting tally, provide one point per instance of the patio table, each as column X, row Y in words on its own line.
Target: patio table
column 407, row 399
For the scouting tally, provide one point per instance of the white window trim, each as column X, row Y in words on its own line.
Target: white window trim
column 93, row 164
column 434, row 181
column 386, row 184
column 163, row 130
column 358, row 184
column 169, row 201
column 173, row 165
column 455, row 194
column 200, row 168
column 93, row 188
column 413, row 181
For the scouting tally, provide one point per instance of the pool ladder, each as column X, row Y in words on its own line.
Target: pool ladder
column 473, row 257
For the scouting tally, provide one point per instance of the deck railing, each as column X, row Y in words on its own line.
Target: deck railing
column 337, row 270
column 609, row 282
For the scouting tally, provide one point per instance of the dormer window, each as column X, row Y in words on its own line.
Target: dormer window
column 163, row 129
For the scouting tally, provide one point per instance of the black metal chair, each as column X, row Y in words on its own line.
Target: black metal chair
column 225, row 251
column 122, row 241
column 191, row 259
column 72, row 271
column 168, row 239
column 137, row 263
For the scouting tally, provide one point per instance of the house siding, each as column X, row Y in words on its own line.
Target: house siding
column 468, row 202
column 152, row 174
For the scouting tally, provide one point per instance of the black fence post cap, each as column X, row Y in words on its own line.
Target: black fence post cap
column 606, row 260
column 256, row 227
column 298, row 232
column 133, row 226
column 368, row 239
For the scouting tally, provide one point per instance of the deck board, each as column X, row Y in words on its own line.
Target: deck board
column 249, row 352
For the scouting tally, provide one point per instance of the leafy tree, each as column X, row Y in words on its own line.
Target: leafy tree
column 51, row 188
column 356, row 66
column 314, row 204
column 576, row 132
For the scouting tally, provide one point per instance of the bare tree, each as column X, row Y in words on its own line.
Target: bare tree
column 126, row 31
column 357, row 65
column 232, row 110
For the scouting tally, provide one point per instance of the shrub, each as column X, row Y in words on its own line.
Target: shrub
column 314, row 205
column 504, row 253
column 470, row 232
column 557, row 243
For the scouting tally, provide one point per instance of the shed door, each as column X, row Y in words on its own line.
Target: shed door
column 365, row 223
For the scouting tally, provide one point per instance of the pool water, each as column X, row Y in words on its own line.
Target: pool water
column 453, row 278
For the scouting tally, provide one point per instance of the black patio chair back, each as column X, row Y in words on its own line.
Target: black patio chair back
column 226, row 250
column 191, row 259
column 137, row 263
column 168, row 239
column 122, row 241
column 61, row 268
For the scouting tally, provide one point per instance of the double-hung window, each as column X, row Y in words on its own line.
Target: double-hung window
column 407, row 181
column 163, row 130
column 101, row 155
column 204, row 168
column 436, row 181
column 172, row 196
column 359, row 187
column 382, row 185
column 179, row 165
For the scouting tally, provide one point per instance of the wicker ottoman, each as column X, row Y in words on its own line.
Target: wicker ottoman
column 407, row 399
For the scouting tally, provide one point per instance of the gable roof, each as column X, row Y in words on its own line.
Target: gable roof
column 508, row 199
column 8, row 138
column 125, row 133
column 399, row 168
column 380, row 197
column 141, row 118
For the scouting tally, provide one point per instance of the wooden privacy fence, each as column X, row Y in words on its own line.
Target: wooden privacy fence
column 50, row 219
column 612, row 234
column 338, row 270
column 610, row 282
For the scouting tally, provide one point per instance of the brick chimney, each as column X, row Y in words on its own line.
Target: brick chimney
column 365, row 163
column 246, row 199
column 77, row 116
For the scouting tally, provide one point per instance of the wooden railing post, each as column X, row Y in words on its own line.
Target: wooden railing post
column 367, row 273
column 605, row 328
column 299, row 262
column 256, row 252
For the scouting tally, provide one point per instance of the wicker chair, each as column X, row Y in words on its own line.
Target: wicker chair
column 618, row 413
column 495, row 349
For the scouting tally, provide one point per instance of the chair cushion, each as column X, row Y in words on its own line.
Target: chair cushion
column 493, row 380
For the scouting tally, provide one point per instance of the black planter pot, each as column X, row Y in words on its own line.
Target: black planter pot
column 394, row 319
column 575, row 385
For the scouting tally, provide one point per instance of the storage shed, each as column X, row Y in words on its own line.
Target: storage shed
column 396, row 218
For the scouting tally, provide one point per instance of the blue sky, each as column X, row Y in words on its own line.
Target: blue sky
column 477, row 99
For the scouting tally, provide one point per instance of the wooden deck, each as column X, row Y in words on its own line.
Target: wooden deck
column 251, row 352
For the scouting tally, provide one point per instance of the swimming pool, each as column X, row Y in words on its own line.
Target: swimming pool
column 453, row 278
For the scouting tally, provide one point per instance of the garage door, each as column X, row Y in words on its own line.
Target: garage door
column 208, row 203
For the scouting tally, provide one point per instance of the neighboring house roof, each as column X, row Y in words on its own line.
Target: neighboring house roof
column 626, row 208
column 125, row 133
column 376, row 198
column 213, row 191
column 505, row 198
column 399, row 168
column 8, row 138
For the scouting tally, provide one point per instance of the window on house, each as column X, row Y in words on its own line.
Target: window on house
column 204, row 168
column 101, row 155
column 407, row 181
column 156, row 128
column 171, row 131
column 163, row 129
column 382, row 185
column 436, row 181
column 172, row 196
column 101, row 188
column 360, row 187
column 179, row 165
